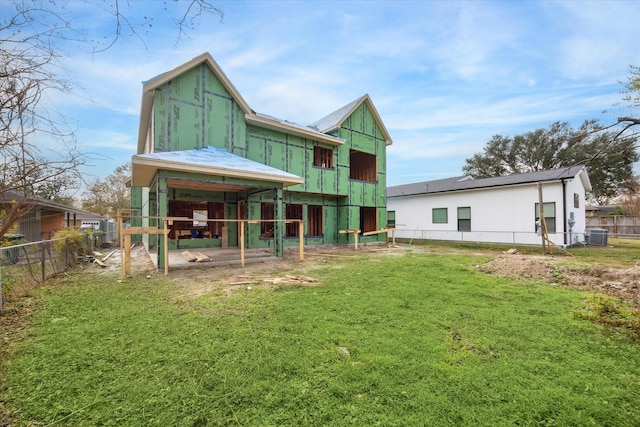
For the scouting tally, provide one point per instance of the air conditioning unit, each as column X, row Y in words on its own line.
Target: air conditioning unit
column 596, row 236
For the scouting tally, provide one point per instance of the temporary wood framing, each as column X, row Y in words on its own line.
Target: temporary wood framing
column 125, row 243
column 355, row 233
column 544, row 233
column 392, row 231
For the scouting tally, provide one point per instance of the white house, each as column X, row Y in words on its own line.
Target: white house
column 502, row 209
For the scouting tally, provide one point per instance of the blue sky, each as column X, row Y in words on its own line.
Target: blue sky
column 445, row 76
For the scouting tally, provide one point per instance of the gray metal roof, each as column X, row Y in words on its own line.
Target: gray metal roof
column 467, row 183
column 10, row 195
column 335, row 119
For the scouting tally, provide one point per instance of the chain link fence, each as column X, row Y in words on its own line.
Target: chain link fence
column 26, row 266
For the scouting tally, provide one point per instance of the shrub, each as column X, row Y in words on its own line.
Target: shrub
column 74, row 238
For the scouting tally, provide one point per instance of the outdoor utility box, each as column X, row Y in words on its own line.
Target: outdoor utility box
column 596, row 236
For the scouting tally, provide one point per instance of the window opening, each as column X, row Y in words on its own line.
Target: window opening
column 362, row 166
column 292, row 212
column 322, row 157
column 267, row 212
column 199, row 213
column 368, row 219
column 314, row 221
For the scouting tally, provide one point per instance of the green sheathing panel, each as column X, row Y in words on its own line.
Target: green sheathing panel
column 329, row 217
column 361, row 133
column 294, row 155
column 152, row 212
column 195, row 110
column 162, row 209
column 136, row 206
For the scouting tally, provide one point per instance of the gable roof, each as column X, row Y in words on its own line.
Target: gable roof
column 468, row 183
column 208, row 161
column 149, row 86
column 34, row 201
column 334, row 120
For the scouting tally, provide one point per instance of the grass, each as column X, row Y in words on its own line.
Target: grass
column 417, row 339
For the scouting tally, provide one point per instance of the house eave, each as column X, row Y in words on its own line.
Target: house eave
column 267, row 123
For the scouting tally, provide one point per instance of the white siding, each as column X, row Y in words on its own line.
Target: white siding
column 499, row 214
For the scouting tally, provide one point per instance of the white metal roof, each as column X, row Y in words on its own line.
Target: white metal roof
column 208, row 161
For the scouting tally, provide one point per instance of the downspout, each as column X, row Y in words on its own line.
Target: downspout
column 564, row 211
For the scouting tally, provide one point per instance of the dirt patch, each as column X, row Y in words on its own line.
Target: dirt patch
column 623, row 283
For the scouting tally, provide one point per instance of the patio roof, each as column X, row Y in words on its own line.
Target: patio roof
column 208, row 161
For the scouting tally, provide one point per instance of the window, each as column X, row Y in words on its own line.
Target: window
column 368, row 219
column 464, row 219
column 391, row 219
column 314, row 221
column 322, row 157
column 362, row 166
column 549, row 211
column 439, row 216
column 292, row 212
column 576, row 200
column 267, row 228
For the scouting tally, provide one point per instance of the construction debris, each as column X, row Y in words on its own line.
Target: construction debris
column 193, row 256
column 512, row 251
column 109, row 255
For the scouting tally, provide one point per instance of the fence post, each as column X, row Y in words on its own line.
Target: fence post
column 44, row 265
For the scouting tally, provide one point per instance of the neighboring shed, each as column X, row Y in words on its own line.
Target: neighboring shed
column 502, row 209
column 204, row 154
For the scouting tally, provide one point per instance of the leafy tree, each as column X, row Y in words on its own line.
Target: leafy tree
column 106, row 196
column 38, row 145
column 608, row 155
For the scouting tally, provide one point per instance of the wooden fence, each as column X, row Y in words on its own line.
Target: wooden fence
column 616, row 225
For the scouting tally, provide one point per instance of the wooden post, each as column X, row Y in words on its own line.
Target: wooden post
column 225, row 237
column 166, row 247
column 241, row 225
column 355, row 237
column 127, row 255
column 301, row 234
column 541, row 216
column 120, row 228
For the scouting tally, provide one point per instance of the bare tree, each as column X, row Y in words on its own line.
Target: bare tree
column 106, row 196
column 37, row 144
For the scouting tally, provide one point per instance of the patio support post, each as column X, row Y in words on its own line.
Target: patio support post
column 279, row 226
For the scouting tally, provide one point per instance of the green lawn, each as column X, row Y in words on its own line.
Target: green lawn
column 411, row 339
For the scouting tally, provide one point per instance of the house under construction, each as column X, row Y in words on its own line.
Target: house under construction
column 205, row 156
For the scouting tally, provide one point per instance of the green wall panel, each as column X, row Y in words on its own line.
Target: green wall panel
column 218, row 115
column 212, row 84
column 161, row 121
column 188, row 86
column 186, row 126
column 255, row 148
column 275, row 155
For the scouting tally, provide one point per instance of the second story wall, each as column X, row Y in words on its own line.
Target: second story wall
column 195, row 110
column 362, row 159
